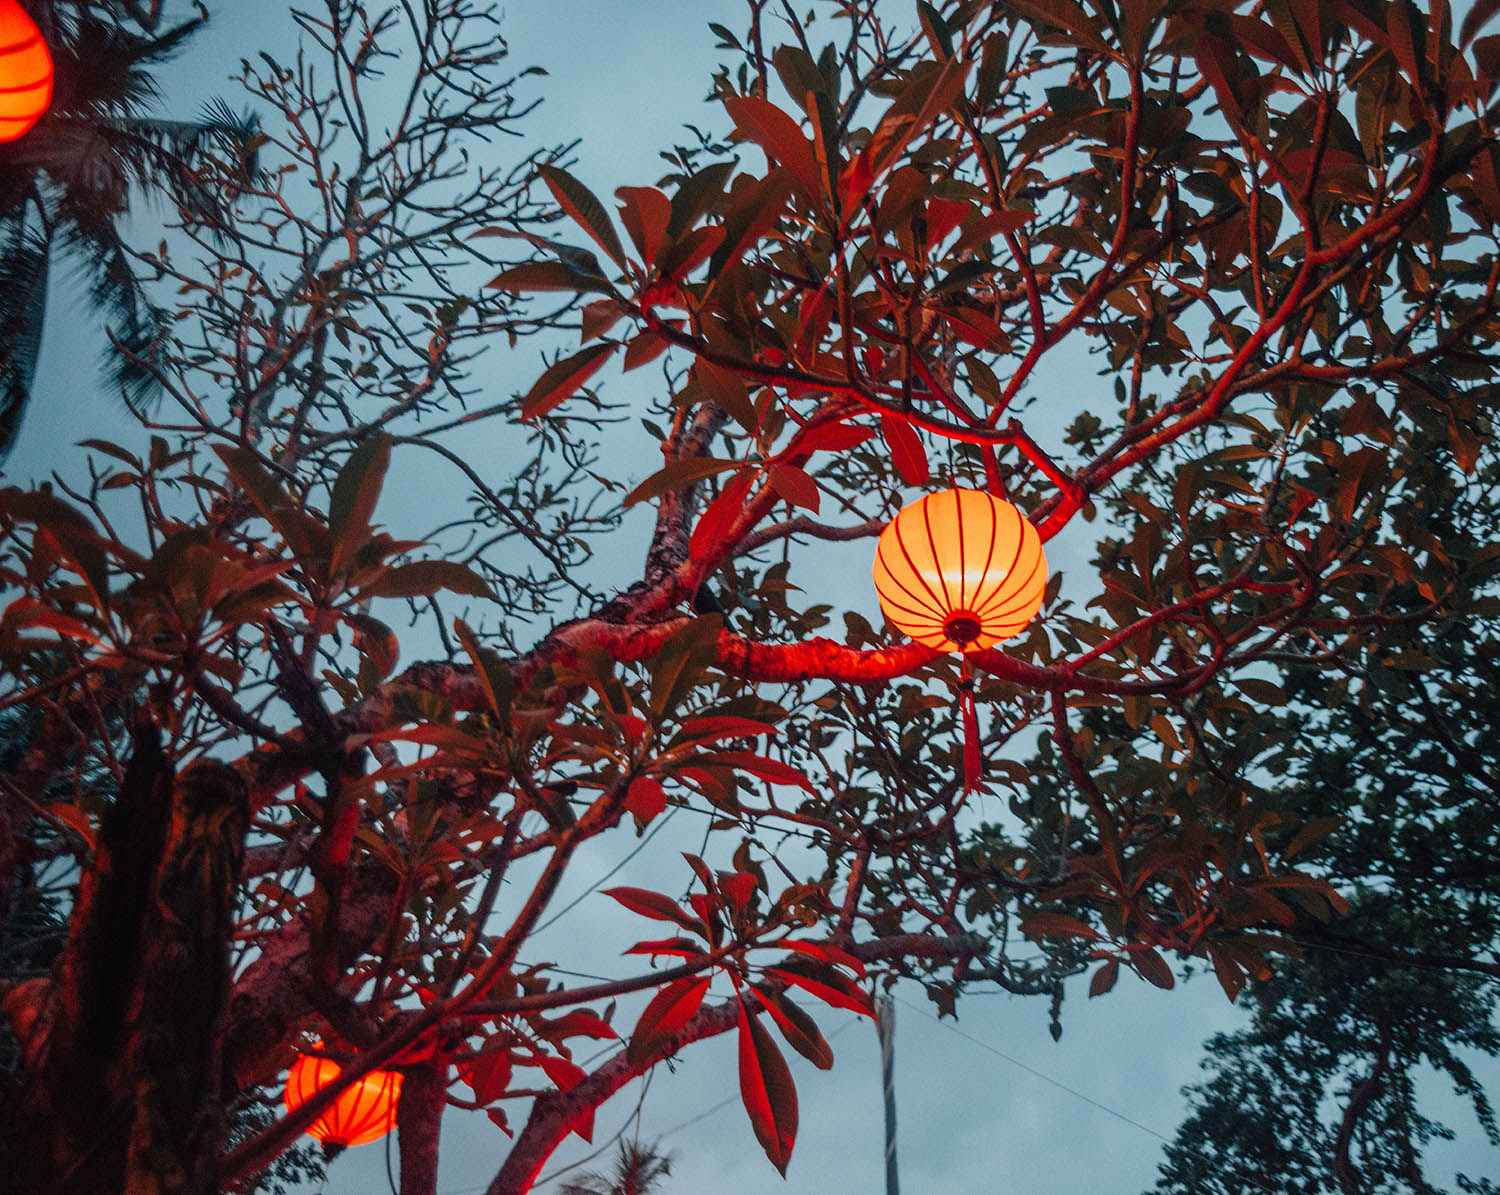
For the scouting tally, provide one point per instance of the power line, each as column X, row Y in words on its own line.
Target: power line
column 594, row 887
column 1076, row 1094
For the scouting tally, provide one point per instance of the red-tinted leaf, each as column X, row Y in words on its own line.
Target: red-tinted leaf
column 907, row 453
column 833, row 437
column 779, row 135
column 796, row 486
column 581, row 204
column 1216, row 62
column 1104, row 978
column 488, row 1074
column 767, row 769
column 738, row 888
column 492, row 673
column 767, row 1091
column 825, row 952
column 1477, row 17
column 728, row 390
column 677, row 474
column 564, row 378
column 423, row 578
column 719, row 726
column 1055, row 925
column 355, row 492
column 546, row 276
column 717, row 520
column 645, row 211
column 31, row 612
column 1064, row 14
column 1151, row 967
column 578, row 1023
column 687, row 253
column 563, row 1073
column 670, row 1009
column 855, row 181
column 756, row 210
column 567, row 1075
column 643, row 349
column 1230, row 977
column 646, row 797
column 799, row 1029
column 676, row 947
column 832, row 987
column 655, row 905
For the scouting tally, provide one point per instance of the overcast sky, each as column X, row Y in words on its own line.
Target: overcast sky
column 988, row 1104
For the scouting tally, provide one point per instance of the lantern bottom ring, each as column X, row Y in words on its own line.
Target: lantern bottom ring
column 962, row 627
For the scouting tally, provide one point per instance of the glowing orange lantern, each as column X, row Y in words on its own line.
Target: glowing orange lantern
column 25, row 72
column 365, row 1112
column 960, row 571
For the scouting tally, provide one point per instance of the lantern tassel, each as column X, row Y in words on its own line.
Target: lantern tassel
column 969, row 712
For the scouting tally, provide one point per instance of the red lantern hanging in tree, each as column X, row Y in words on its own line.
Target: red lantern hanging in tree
column 25, row 72
column 960, row 571
column 363, row 1113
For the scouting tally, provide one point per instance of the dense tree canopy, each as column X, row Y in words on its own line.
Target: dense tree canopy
column 1268, row 231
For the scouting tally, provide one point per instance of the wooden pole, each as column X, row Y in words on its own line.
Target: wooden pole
column 885, row 1028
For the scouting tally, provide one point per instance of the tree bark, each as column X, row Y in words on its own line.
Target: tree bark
column 419, row 1118
column 1359, row 1099
column 123, row 1093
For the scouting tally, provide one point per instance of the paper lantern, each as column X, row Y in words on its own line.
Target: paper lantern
column 960, row 571
column 25, row 72
column 363, row 1113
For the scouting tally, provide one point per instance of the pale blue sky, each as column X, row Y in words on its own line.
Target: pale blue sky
column 624, row 75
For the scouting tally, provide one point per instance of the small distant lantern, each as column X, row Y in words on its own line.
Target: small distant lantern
column 961, row 571
column 363, row 1113
column 25, row 72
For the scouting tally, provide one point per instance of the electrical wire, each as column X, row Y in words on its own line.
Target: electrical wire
column 1087, row 1099
column 594, row 887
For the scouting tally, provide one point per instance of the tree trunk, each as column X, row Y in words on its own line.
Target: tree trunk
column 419, row 1118
column 124, row 1090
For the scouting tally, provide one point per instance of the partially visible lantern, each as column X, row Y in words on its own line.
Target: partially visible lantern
column 25, row 72
column 363, row 1113
column 961, row 570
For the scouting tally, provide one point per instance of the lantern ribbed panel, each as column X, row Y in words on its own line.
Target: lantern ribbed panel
column 364, row 1113
column 25, row 72
column 960, row 554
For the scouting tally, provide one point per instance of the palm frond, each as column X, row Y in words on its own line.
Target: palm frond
column 24, row 251
column 137, row 327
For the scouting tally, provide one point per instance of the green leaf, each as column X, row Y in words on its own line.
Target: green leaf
column 564, row 378
column 354, row 495
column 581, row 204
